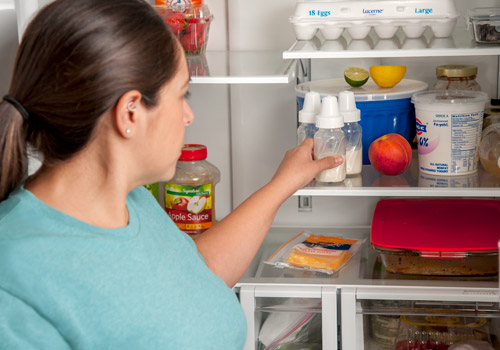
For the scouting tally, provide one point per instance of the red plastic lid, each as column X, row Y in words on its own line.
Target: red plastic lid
column 192, row 152
column 437, row 225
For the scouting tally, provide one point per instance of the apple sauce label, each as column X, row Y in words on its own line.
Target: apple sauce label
column 189, row 207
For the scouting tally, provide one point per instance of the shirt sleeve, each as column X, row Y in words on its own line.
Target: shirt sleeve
column 21, row 327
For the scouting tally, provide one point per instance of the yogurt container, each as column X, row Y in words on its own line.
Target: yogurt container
column 332, row 17
column 448, row 127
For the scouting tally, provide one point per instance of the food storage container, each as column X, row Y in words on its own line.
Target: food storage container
column 436, row 332
column 190, row 24
column 448, row 127
column 456, row 77
column 331, row 18
column 383, row 110
column 489, row 149
column 485, row 24
column 437, row 236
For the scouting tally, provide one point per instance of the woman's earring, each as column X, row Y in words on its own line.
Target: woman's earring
column 127, row 131
column 131, row 107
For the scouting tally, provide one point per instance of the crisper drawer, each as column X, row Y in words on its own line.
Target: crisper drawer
column 411, row 319
column 290, row 317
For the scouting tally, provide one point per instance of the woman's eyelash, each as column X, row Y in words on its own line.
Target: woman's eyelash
column 187, row 95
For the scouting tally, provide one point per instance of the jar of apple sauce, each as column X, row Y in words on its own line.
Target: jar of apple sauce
column 190, row 194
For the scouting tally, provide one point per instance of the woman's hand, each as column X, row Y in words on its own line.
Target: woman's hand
column 229, row 246
column 298, row 167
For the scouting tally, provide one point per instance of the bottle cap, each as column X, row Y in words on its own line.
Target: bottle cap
column 311, row 108
column 193, row 152
column 347, row 107
column 329, row 117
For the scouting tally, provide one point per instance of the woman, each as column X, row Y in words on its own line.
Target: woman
column 88, row 260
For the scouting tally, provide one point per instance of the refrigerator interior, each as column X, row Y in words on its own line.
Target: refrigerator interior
column 376, row 309
column 245, row 108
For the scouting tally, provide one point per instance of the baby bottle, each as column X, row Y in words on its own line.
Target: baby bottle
column 307, row 116
column 489, row 149
column 352, row 131
column 329, row 140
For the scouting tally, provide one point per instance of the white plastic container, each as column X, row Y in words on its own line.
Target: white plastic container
column 352, row 131
column 449, row 127
column 331, row 18
column 307, row 116
column 329, row 140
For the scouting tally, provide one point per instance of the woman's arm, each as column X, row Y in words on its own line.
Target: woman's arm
column 229, row 246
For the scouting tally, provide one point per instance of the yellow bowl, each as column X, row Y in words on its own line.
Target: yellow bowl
column 387, row 76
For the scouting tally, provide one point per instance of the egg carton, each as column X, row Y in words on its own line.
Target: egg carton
column 331, row 18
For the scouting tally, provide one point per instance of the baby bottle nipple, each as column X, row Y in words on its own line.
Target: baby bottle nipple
column 329, row 117
column 311, row 108
column 347, row 107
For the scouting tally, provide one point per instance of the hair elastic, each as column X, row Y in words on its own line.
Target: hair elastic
column 17, row 105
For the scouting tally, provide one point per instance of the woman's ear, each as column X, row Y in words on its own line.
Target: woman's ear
column 126, row 113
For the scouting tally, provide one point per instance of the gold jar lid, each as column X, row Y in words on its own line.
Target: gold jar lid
column 456, row 70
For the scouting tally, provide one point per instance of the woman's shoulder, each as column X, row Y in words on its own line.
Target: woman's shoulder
column 15, row 210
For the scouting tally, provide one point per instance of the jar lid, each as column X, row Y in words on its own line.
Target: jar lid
column 192, row 152
column 456, row 70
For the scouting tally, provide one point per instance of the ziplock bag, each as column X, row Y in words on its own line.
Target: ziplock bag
column 327, row 254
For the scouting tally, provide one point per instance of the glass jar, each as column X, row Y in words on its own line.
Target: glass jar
column 492, row 113
column 489, row 149
column 190, row 194
column 456, row 77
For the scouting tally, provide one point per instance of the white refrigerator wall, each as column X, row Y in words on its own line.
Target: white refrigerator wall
column 8, row 43
column 263, row 117
column 247, row 128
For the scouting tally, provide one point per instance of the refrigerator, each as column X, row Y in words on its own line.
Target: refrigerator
column 243, row 95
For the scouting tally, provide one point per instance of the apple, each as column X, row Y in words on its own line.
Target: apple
column 390, row 154
column 180, row 203
column 197, row 204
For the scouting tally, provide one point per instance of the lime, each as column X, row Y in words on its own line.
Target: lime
column 356, row 76
column 387, row 76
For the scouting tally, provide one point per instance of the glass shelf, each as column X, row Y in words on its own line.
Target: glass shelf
column 363, row 270
column 411, row 183
column 460, row 43
column 245, row 67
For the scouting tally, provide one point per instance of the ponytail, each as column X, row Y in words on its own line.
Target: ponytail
column 13, row 154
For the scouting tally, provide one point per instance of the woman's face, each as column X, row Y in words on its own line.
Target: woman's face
column 169, row 118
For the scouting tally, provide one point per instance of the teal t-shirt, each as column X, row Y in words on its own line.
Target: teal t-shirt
column 65, row 284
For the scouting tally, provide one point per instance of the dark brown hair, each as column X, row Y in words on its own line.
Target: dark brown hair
column 75, row 61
